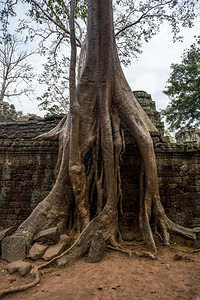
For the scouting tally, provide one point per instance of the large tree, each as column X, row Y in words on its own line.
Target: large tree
column 91, row 143
column 183, row 90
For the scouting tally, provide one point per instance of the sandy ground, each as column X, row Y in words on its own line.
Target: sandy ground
column 116, row 277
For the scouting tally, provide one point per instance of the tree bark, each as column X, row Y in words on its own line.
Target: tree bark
column 91, row 142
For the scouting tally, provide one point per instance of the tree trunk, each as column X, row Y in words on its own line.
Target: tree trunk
column 91, row 142
column 2, row 92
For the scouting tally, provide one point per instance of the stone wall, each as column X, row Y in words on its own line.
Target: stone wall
column 179, row 184
column 27, row 172
column 26, row 177
column 188, row 135
column 27, row 130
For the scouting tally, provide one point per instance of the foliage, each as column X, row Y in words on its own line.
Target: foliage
column 171, row 138
column 8, row 113
column 55, row 98
column 184, row 90
column 134, row 22
column 7, row 8
column 47, row 22
column 140, row 21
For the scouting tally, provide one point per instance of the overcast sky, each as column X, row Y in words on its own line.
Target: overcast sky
column 149, row 72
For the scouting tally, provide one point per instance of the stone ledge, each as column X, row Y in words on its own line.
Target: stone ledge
column 27, row 146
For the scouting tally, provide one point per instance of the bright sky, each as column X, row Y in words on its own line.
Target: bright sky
column 150, row 72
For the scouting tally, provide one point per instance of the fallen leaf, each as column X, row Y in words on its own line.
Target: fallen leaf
column 44, row 291
column 42, row 273
column 118, row 285
column 11, row 280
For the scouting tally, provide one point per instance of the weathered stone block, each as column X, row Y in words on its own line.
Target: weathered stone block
column 97, row 248
column 13, row 248
column 22, row 267
column 127, row 236
column 6, row 232
column 48, row 235
column 37, row 251
column 56, row 249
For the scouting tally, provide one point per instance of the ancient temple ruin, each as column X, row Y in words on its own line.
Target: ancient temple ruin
column 27, row 171
column 188, row 135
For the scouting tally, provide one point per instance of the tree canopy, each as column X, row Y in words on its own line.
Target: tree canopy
column 183, row 90
column 8, row 113
column 135, row 22
column 54, row 100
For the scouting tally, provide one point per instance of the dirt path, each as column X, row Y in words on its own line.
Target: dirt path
column 117, row 277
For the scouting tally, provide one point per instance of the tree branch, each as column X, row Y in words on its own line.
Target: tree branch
column 144, row 15
column 54, row 21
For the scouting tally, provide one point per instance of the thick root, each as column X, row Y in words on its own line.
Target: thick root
column 53, row 135
column 114, row 245
column 145, row 254
column 106, row 222
column 78, row 180
column 36, row 274
column 189, row 233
